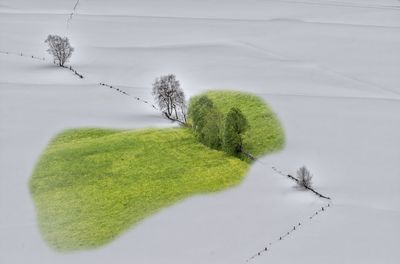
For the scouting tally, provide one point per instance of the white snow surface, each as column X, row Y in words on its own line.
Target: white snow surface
column 328, row 68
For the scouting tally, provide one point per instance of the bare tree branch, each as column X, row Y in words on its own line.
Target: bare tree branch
column 170, row 98
column 60, row 48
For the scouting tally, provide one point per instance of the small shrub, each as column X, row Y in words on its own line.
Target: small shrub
column 304, row 177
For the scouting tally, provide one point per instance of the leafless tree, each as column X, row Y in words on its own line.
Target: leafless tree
column 170, row 97
column 304, row 177
column 60, row 48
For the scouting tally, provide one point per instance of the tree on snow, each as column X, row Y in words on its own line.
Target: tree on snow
column 170, row 97
column 304, row 177
column 60, row 48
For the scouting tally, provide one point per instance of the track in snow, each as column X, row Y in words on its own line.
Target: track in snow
column 72, row 14
column 295, row 227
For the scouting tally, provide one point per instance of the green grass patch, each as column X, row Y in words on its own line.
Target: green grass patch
column 265, row 133
column 91, row 185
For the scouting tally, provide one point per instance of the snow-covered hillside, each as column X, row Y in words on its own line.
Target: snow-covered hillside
column 329, row 68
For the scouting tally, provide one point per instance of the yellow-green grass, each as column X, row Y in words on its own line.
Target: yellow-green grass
column 91, row 185
column 265, row 133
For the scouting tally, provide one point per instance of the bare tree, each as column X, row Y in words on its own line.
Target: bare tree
column 304, row 177
column 170, row 97
column 60, row 48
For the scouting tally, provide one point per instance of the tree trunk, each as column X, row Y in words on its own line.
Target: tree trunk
column 176, row 114
column 169, row 106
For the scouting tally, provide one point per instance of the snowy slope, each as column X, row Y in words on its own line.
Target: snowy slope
column 328, row 68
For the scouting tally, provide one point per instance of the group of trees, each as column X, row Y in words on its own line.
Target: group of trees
column 210, row 126
column 216, row 131
column 208, row 123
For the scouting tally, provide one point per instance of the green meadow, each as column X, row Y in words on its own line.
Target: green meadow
column 91, row 185
column 265, row 133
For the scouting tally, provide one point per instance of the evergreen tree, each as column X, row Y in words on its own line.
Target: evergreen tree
column 198, row 112
column 235, row 125
column 212, row 130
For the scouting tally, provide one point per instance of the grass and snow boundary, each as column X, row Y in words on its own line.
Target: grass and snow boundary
column 119, row 90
